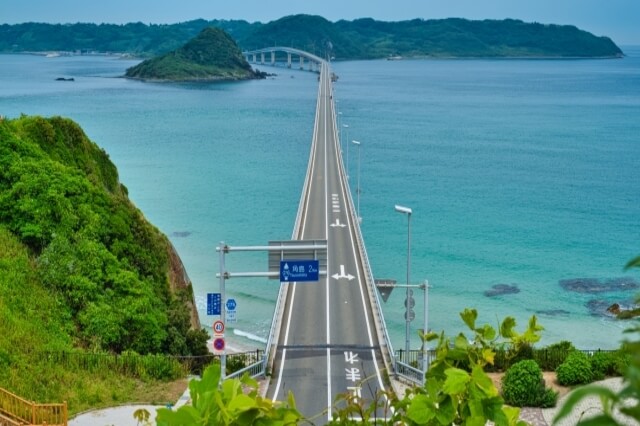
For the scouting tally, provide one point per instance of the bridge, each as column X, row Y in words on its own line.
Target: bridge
column 314, row 62
column 328, row 338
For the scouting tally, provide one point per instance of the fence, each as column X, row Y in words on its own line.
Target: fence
column 18, row 411
column 160, row 367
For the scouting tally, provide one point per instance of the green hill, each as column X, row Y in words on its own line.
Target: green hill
column 359, row 39
column 80, row 268
column 212, row 55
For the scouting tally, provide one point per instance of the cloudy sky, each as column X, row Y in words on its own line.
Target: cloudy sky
column 618, row 19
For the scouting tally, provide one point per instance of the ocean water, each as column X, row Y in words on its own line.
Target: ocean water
column 519, row 172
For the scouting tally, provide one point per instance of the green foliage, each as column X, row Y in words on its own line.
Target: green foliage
column 626, row 401
column 575, row 370
column 79, row 268
column 523, row 386
column 603, row 364
column 212, row 55
column 457, row 389
column 359, row 39
column 234, row 401
column 60, row 195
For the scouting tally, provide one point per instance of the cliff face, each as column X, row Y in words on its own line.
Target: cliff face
column 120, row 283
column 179, row 281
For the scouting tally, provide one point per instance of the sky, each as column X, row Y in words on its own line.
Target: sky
column 618, row 19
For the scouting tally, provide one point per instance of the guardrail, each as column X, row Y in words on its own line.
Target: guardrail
column 409, row 373
column 18, row 411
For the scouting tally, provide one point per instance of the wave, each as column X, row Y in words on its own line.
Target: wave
column 249, row 336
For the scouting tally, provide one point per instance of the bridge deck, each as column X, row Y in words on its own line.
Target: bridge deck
column 331, row 337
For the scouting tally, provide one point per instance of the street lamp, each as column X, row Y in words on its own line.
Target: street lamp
column 358, row 187
column 407, row 211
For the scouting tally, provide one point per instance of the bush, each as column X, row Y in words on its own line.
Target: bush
column 576, row 370
column 603, row 364
column 523, row 386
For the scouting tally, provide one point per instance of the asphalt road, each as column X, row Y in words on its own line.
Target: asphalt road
column 328, row 344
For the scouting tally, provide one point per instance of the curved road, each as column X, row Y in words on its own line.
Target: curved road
column 328, row 343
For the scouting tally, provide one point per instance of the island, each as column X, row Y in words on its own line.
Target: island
column 211, row 56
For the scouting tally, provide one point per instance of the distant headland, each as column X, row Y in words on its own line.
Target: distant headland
column 363, row 38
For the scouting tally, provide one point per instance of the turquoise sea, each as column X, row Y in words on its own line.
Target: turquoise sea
column 519, row 172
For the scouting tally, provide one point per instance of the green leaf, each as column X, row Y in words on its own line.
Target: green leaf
column 456, row 381
column 241, row 403
column 601, row 420
column 511, row 416
column 487, row 332
column 633, row 263
column 577, row 395
column 446, row 412
column 421, row 409
column 469, row 316
column 506, row 328
column 185, row 415
column 488, row 355
column 483, row 382
column 461, row 342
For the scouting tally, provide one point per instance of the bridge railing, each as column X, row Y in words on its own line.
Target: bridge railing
column 373, row 294
column 282, row 293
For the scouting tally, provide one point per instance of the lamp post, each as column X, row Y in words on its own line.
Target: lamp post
column 346, row 126
column 358, row 186
column 408, row 212
column 425, row 345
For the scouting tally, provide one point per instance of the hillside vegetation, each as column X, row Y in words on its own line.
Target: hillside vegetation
column 212, row 55
column 359, row 39
column 80, row 267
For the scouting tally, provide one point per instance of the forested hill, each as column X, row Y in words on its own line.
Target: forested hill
column 211, row 55
column 359, row 39
column 80, row 267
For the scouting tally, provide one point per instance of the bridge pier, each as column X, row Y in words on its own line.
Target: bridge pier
column 273, row 58
column 254, row 58
column 262, row 58
column 302, row 62
column 288, row 60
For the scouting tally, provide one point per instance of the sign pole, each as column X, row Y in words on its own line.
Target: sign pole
column 223, row 308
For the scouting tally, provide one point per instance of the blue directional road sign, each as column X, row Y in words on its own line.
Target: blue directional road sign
column 231, row 304
column 299, row 270
column 214, row 304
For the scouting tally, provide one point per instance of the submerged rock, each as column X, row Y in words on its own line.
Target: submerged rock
column 594, row 285
column 552, row 312
column 180, row 234
column 500, row 289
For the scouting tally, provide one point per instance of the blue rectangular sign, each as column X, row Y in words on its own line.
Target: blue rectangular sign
column 214, row 303
column 299, row 270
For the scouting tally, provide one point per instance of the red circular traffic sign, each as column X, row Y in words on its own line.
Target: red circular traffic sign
column 218, row 344
column 218, row 327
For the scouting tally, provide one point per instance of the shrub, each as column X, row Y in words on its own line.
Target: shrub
column 576, row 370
column 523, row 386
column 603, row 364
